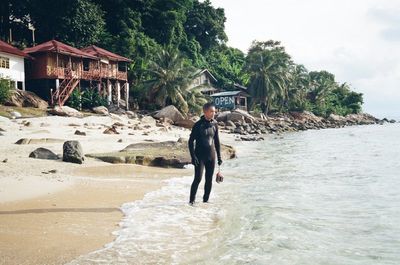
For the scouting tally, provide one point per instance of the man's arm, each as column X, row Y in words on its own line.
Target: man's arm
column 217, row 144
column 192, row 138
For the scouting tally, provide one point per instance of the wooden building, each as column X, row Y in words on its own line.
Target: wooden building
column 57, row 69
column 206, row 82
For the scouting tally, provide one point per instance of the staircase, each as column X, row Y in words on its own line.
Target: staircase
column 65, row 89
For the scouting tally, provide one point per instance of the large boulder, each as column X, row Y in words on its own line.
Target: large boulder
column 160, row 154
column 43, row 153
column 38, row 141
column 20, row 98
column 72, row 152
column 187, row 123
column 305, row 116
column 246, row 116
column 65, row 111
column 170, row 112
column 222, row 116
column 101, row 110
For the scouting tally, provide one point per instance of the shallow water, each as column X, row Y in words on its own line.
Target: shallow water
column 315, row 197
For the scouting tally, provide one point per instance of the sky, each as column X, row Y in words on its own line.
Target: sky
column 357, row 40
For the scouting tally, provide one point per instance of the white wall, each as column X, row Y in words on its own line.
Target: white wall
column 16, row 72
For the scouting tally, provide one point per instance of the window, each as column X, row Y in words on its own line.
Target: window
column 4, row 62
column 20, row 85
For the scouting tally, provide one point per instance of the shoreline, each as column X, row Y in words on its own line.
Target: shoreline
column 86, row 211
column 44, row 200
column 49, row 207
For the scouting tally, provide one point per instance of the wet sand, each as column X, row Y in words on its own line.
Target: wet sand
column 56, row 228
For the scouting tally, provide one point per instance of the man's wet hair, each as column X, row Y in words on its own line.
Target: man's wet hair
column 208, row 105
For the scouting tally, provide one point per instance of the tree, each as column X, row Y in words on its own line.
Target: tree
column 267, row 66
column 171, row 76
column 76, row 22
column 206, row 25
column 5, row 90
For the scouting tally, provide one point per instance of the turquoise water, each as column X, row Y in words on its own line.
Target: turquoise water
column 315, row 197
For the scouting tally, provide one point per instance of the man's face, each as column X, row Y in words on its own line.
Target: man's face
column 209, row 113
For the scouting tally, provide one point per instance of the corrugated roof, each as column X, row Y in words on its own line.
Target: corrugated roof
column 100, row 52
column 7, row 48
column 229, row 93
column 58, row 47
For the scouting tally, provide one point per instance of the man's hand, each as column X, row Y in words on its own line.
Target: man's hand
column 219, row 161
column 195, row 161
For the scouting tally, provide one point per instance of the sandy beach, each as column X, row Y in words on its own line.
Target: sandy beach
column 52, row 211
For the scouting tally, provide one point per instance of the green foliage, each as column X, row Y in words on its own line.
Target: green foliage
column 74, row 100
column 91, row 98
column 267, row 65
column 152, row 32
column 5, row 90
column 171, row 76
column 87, row 99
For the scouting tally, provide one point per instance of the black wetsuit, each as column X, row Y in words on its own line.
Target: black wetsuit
column 205, row 133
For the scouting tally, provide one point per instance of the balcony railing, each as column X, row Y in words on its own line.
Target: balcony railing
column 92, row 74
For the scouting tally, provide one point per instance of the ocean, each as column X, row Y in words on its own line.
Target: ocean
column 314, row 197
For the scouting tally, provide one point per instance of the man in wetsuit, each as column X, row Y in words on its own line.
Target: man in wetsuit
column 205, row 133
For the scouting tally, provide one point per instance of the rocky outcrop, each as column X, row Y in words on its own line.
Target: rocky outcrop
column 101, row 110
column 72, row 152
column 38, row 141
column 244, row 123
column 170, row 112
column 161, row 154
column 20, row 98
column 43, row 153
column 65, row 111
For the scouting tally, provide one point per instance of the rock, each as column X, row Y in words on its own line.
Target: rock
column 50, row 171
column 253, row 138
column 43, row 153
column 160, row 154
column 131, row 114
column 72, row 152
column 38, row 141
column 247, row 117
column 5, row 160
column 170, row 112
column 111, row 130
column 186, row 123
column 392, row 121
column 15, row 114
column 20, row 98
column 120, row 141
column 336, row 118
column 234, row 117
column 65, row 111
column 118, row 124
column 148, row 120
column 222, row 116
column 77, row 132
column 101, row 110
column 2, row 130
column 230, row 124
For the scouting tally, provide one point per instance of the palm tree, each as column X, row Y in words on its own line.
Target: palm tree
column 267, row 65
column 170, row 78
column 299, row 85
column 321, row 84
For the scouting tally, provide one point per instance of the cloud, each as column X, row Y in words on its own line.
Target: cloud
column 389, row 19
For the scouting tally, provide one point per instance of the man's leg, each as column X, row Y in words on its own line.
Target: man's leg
column 198, row 173
column 209, row 165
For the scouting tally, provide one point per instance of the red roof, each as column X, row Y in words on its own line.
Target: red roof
column 59, row 47
column 99, row 52
column 7, row 48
